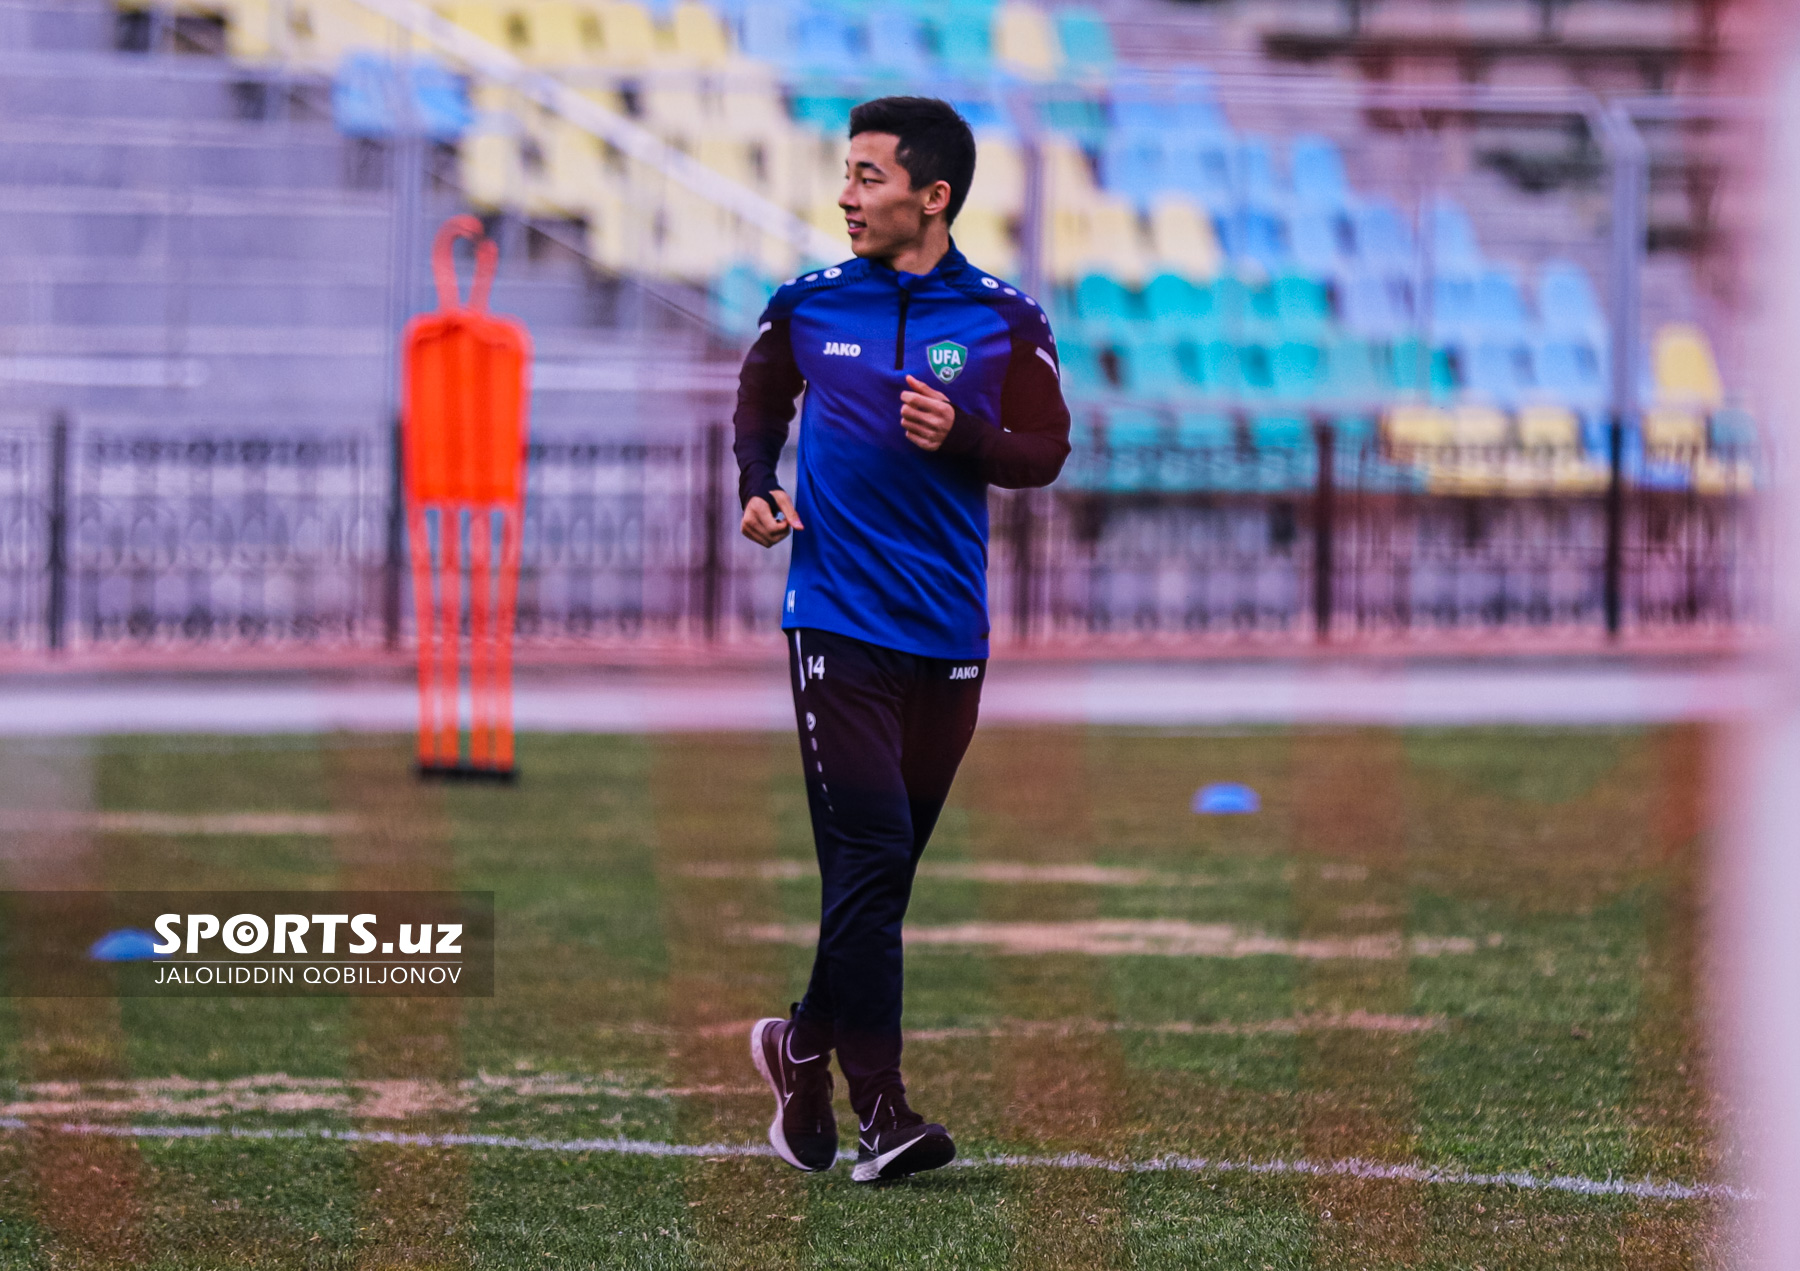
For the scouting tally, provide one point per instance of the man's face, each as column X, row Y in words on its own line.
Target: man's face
column 882, row 212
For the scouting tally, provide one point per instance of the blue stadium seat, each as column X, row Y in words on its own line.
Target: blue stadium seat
column 1254, row 173
column 370, row 98
column 1087, row 41
column 1377, row 305
column 982, row 112
column 1131, row 165
column 1200, row 164
column 1499, row 304
column 765, row 30
column 1567, row 305
column 1411, row 371
column 1495, row 372
column 1454, row 312
column 1572, row 372
column 1256, row 236
column 824, row 41
column 1453, row 244
column 1318, row 172
column 896, row 40
column 1383, row 239
column 1317, row 239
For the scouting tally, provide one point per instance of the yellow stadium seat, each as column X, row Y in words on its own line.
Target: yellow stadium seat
column 727, row 156
column 320, row 32
column 607, row 228
column 1685, row 371
column 1464, row 474
column 1573, row 473
column 1478, row 426
column 999, row 176
column 1551, row 426
column 1411, row 426
column 673, row 104
column 1068, row 180
column 1025, row 43
column 574, row 166
column 1182, row 239
column 1713, row 475
column 749, row 103
column 982, row 235
column 1672, row 428
column 1115, row 241
column 627, row 36
column 562, row 33
column 696, row 237
column 827, row 217
column 492, row 178
column 250, row 29
column 696, row 35
column 499, row 24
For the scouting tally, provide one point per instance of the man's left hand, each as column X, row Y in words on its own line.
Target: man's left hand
column 926, row 414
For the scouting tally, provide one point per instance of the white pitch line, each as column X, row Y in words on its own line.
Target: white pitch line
column 1641, row 1189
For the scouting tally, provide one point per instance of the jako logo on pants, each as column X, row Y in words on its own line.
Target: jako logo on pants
column 964, row 672
column 834, row 348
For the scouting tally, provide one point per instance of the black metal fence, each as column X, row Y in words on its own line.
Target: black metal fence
column 116, row 542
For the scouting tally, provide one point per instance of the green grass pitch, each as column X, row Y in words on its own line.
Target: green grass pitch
column 1465, row 950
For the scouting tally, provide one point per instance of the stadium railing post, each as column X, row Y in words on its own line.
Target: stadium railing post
column 394, row 554
column 1022, row 546
column 713, row 524
column 1324, row 530
column 57, row 601
column 1615, row 526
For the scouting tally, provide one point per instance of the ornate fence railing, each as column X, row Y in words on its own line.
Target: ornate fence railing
column 129, row 542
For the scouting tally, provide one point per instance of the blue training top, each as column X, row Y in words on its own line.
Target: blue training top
column 895, row 546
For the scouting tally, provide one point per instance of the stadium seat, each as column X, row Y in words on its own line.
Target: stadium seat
column 1199, row 165
column 697, row 36
column 822, row 107
column 1104, row 306
column 1075, row 112
column 897, row 44
column 1317, row 169
column 1572, row 373
column 572, row 171
column 1025, row 42
column 1114, row 240
column 1153, row 368
column 1732, row 430
column 1286, row 457
column 1205, row 430
column 1494, row 371
column 751, row 106
column 491, row 174
column 1477, row 425
column 739, row 296
column 1317, row 240
column 1302, row 305
column 1353, row 372
column 1131, row 166
column 1674, row 428
column 1087, row 42
column 1254, row 178
column 1414, row 371
column 964, row 40
column 982, row 235
column 1499, row 305
column 1383, row 240
column 1546, row 426
column 825, row 42
column 764, row 30
column 1683, row 367
column 1412, row 426
column 1220, row 369
column 1134, row 440
column 1454, row 314
column 1177, row 307
column 1255, row 237
column 1567, row 305
column 1082, row 373
column 1182, row 238
column 1453, row 243
column 1297, row 370
column 999, row 177
column 627, row 35
column 561, row 34
column 1378, row 306
column 490, row 20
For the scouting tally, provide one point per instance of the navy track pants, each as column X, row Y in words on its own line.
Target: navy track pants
column 881, row 735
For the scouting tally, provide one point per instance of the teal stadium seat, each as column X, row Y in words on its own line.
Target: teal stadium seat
column 1302, row 305
column 1354, row 373
column 1082, row 374
column 1205, row 453
column 739, row 296
column 1152, row 368
column 1104, row 306
column 1135, row 439
column 1179, row 308
column 1087, row 41
column 1286, row 457
column 1297, row 371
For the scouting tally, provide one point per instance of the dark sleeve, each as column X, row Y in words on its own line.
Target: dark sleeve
column 767, row 387
column 1028, row 446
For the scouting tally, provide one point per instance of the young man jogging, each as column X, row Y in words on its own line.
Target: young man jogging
column 926, row 381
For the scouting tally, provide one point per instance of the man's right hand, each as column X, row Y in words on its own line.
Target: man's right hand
column 764, row 527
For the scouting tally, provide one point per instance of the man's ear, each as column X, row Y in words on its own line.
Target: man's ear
column 937, row 198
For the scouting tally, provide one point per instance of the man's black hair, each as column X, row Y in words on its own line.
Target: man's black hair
column 935, row 143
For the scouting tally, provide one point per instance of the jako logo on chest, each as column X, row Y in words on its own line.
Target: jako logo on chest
column 837, row 348
column 947, row 359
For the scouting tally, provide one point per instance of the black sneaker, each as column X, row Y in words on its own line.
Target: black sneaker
column 897, row 1141
column 804, row 1130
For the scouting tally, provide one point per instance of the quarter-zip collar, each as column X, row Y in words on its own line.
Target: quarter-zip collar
column 948, row 265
